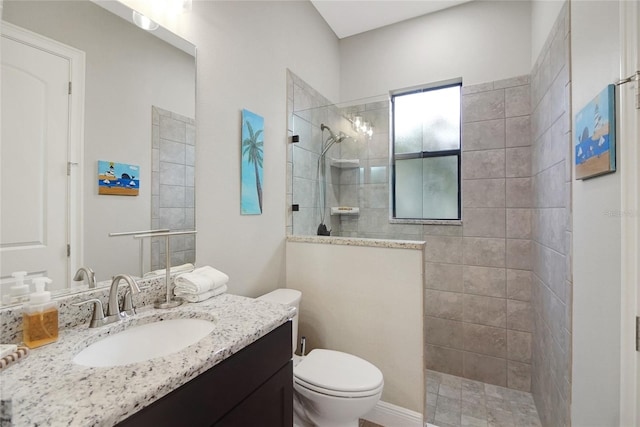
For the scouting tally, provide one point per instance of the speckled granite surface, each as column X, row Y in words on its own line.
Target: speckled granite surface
column 358, row 241
column 47, row 388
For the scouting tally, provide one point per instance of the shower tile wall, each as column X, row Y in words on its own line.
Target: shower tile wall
column 173, row 185
column 551, row 226
column 478, row 276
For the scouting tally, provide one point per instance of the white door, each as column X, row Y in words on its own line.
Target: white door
column 34, row 155
column 636, row 130
column 629, row 140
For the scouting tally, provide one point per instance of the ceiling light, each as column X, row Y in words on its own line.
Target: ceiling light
column 143, row 22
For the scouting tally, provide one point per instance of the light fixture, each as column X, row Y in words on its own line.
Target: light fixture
column 361, row 126
column 143, row 22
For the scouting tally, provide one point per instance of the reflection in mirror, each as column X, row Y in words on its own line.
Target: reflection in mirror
column 173, row 193
column 53, row 219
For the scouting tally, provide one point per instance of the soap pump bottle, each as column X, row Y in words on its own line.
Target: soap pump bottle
column 40, row 316
column 18, row 292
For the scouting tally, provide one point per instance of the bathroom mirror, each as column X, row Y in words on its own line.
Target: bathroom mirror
column 127, row 73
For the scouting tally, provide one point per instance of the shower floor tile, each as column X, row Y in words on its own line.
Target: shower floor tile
column 458, row 402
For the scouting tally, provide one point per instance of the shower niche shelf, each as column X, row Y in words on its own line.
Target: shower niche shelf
column 345, row 210
column 345, row 163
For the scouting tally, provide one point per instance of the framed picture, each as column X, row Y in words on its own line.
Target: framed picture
column 595, row 136
column 252, row 158
column 118, row 179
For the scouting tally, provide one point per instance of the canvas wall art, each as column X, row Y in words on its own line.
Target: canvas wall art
column 595, row 136
column 119, row 179
column 252, row 158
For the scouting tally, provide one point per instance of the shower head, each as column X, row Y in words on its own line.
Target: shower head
column 333, row 138
column 324, row 127
column 341, row 137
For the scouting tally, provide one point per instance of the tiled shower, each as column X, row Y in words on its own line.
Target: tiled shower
column 478, row 317
column 498, row 286
column 365, row 186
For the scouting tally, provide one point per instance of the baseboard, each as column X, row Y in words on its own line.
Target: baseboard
column 389, row 415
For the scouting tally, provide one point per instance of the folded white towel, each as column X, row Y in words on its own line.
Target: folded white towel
column 203, row 296
column 177, row 269
column 192, row 283
column 217, row 276
column 200, row 280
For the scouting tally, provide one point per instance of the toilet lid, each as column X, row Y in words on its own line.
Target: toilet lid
column 337, row 371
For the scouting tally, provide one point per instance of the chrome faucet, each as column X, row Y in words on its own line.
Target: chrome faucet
column 113, row 310
column 97, row 317
column 114, row 314
column 86, row 272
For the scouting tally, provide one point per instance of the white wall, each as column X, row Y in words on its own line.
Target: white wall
column 480, row 41
column 244, row 48
column 543, row 16
column 596, row 244
column 127, row 71
column 365, row 301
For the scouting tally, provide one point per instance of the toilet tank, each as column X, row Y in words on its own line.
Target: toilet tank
column 290, row 297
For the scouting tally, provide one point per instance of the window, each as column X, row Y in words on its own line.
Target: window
column 426, row 153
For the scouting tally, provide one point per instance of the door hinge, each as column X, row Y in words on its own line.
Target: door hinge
column 69, row 164
column 68, row 250
column 637, row 333
column 633, row 78
column 69, row 88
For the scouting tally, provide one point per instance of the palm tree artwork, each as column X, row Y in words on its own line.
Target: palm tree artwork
column 252, row 158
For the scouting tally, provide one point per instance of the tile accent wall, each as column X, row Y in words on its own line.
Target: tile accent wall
column 173, row 185
column 478, row 276
column 551, row 225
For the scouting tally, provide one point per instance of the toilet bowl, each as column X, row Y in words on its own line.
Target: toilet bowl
column 331, row 388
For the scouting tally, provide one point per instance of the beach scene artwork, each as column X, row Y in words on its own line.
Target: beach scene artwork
column 119, row 179
column 252, row 158
column 595, row 145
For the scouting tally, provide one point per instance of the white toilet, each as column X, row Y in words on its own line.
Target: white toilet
column 331, row 388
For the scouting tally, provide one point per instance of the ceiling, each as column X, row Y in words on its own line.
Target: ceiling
column 349, row 17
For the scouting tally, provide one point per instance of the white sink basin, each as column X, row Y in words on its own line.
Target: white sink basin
column 144, row 342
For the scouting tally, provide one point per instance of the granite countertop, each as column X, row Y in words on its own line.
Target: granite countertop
column 359, row 241
column 47, row 388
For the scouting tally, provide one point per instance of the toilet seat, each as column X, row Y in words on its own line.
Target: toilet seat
column 334, row 393
column 338, row 374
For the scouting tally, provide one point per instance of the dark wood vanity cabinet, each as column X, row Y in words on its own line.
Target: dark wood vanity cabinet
column 254, row 387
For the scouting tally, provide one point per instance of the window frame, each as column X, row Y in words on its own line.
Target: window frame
column 424, row 154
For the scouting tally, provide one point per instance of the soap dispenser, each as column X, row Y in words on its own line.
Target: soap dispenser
column 40, row 316
column 18, row 292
